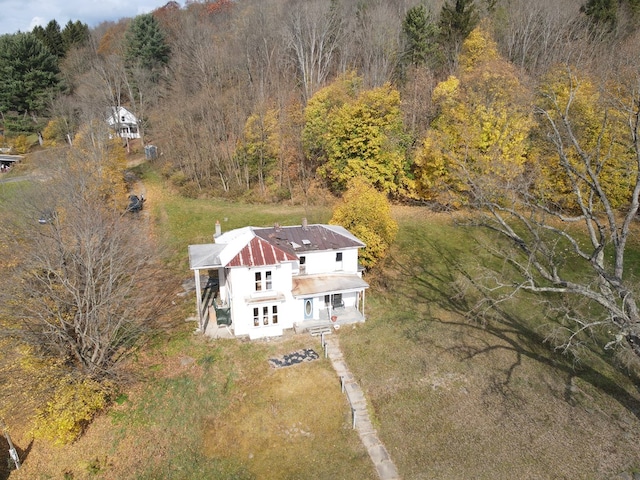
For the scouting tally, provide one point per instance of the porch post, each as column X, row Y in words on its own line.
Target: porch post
column 363, row 315
column 198, row 298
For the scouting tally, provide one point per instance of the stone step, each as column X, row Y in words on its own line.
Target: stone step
column 317, row 331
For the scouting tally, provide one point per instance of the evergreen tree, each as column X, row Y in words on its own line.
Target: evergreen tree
column 51, row 37
column 601, row 12
column 457, row 20
column 420, row 35
column 28, row 72
column 146, row 46
column 74, row 34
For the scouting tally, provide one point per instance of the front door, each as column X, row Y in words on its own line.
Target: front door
column 308, row 308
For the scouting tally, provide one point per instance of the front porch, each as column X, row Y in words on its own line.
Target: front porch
column 344, row 316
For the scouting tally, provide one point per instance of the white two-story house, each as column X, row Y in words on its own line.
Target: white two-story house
column 259, row 282
column 123, row 122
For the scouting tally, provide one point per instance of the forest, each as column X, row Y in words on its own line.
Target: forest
column 285, row 100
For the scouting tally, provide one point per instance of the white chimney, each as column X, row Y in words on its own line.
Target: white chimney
column 218, row 230
column 304, row 223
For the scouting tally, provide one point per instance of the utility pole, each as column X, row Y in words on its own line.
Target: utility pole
column 12, row 450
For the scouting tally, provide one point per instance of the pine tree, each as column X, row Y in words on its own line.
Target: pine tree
column 420, row 36
column 74, row 34
column 456, row 22
column 146, row 46
column 28, row 71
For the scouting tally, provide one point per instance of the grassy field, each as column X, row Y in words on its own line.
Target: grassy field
column 457, row 396
column 452, row 395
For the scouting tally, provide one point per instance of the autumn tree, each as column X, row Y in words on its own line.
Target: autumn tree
column 366, row 213
column 313, row 32
column 481, row 129
column 356, row 132
column 81, row 290
column 261, row 147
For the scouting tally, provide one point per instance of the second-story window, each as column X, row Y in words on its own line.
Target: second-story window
column 263, row 281
column 338, row 256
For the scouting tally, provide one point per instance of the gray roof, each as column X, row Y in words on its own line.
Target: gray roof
column 205, row 255
column 299, row 239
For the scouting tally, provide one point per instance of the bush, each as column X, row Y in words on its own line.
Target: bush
column 74, row 404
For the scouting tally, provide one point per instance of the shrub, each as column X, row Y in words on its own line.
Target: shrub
column 74, row 404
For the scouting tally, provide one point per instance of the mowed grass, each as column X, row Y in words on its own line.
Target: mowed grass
column 460, row 396
column 181, row 221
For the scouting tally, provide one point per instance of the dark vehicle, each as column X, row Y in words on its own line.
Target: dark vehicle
column 48, row 216
column 135, row 203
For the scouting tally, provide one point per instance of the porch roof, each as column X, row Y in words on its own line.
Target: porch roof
column 205, row 255
column 325, row 284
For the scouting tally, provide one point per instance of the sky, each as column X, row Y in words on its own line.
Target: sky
column 23, row 15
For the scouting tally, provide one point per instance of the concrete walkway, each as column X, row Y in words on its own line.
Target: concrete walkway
column 382, row 461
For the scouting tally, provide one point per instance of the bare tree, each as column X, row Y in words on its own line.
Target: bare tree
column 85, row 288
column 578, row 251
column 314, row 31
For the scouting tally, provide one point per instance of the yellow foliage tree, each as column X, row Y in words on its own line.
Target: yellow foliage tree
column 261, row 147
column 105, row 160
column 478, row 140
column 366, row 213
column 354, row 132
column 599, row 129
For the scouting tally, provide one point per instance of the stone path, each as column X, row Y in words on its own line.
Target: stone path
column 384, row 465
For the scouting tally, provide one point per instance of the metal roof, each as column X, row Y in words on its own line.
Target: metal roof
column 255, row 247
column 299, row 239
column 325, row 284
column 205, row 256
column 259, row 252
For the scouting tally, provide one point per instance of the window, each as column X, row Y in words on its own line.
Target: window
column 337, row 301
column 263, row 282
column 265, row 316
column 338, row 256
column 327, row 300
column 303, row 260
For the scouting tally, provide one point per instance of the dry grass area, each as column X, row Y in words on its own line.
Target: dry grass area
column 204, row 409
column 461, row 397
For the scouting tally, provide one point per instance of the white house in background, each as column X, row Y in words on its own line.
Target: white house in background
column 123, row 122
column 259, row 282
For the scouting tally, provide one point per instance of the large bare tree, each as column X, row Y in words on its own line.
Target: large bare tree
column 84, row 284
column 569, row 220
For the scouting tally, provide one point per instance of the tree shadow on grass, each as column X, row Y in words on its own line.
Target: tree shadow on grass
column 438, row 287
column 6, row 463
